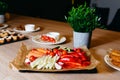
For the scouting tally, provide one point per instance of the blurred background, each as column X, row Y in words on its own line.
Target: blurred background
column 57, row 9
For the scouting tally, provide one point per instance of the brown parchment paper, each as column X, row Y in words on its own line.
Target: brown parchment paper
column 18, row 64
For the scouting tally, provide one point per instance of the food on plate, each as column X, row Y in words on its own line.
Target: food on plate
column 51, row 59
column 14, row 37
column 9, row 36
column 4, row 30
column 50, row 37
column 11, row 32
column 2, row 40
column 115, row 57
column 3, row 34
column 20, row 36
column 1, row 25
column 44, row 62
column 20, row 27
column 58, row 58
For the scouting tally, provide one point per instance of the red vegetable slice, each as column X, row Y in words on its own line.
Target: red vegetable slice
column 32, row 58
column 72, row 65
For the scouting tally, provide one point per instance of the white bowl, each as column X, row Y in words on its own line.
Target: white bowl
column 29, row 27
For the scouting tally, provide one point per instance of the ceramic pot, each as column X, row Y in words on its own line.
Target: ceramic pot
column 81, row 39
column 2, row 18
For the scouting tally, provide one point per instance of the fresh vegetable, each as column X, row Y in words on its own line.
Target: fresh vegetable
column 45, row 62
column 39, row 52
column 32, row 58
column 47, row 38
column 58, row 58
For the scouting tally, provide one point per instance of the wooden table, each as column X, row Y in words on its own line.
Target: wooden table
column 102, row 40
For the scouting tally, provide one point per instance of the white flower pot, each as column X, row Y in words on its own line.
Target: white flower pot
column 2, row 18
column 81, row 39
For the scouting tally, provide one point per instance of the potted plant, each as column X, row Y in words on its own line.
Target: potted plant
column 3, row 9
column 83, row 20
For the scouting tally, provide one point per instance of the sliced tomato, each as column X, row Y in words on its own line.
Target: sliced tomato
column 52, row 40
column 52, row 53
column 64, row 52
column 47, row 38
column 55, row 50
column 32, row 58
column 44, row 38
column 77, row 50
column 48, row 51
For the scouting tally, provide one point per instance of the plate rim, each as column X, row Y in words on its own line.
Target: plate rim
column 22, row 31
column 5, row 26
column 107, row 60
column 48, row 43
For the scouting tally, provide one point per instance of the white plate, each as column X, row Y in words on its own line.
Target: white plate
column 108, row 61
column 37, row 39
column 23, row 31
column 4, row 26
